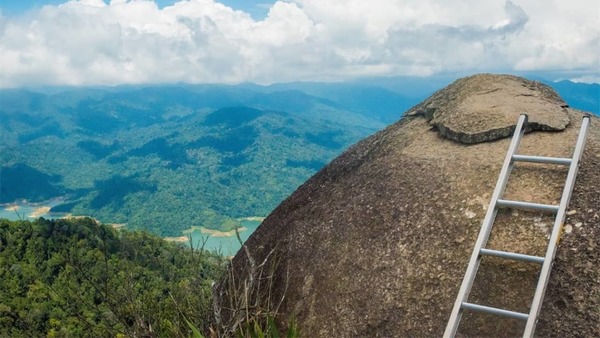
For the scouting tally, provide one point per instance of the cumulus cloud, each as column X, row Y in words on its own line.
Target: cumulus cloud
column 89, row 42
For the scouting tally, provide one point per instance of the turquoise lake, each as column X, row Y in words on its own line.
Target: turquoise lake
column 226, row 245
column 30, row 211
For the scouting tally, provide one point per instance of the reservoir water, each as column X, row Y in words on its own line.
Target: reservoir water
column 225, row 243
column 30, row 211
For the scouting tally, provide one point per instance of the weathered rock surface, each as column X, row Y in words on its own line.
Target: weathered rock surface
column 485, row 107
column 376, row 244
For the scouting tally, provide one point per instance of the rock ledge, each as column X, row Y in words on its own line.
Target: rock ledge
column 486, row 107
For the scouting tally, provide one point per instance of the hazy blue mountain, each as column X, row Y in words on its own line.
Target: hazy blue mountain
column 583, row 96
column 372, row 101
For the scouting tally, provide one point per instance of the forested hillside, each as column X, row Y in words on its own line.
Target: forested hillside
column 168, row 158
column 75, row 278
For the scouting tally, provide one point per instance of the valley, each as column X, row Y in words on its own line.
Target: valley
column 164, row 159
column 174, row 157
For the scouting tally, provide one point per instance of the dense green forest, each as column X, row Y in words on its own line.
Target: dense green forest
column 168, row 158
column 76, row 278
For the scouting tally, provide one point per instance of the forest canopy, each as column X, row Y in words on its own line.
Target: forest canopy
column 78, row 278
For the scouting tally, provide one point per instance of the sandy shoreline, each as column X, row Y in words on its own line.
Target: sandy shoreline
column 176, row 239
column 217, row 233
column 35, row 209
column 39, row 212
column 12, row 208
column 212, row 232
column 252, row 218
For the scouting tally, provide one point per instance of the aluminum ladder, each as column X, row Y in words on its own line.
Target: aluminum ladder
column 496, row 202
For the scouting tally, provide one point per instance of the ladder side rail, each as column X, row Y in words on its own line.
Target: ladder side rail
column 486, row 228
column 544, row 277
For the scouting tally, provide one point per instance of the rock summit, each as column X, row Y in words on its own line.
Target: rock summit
column 376, row 243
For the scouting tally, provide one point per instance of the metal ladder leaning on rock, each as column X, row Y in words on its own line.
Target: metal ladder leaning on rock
column 496, row 202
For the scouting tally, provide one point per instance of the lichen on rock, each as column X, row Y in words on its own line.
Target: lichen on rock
column 486, row 107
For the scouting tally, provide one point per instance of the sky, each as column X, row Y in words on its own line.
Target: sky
column 95, row 42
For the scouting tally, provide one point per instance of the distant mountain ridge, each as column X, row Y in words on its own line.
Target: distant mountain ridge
column 583, row 96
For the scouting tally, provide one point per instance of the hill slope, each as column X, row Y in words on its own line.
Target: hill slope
column 75, row 278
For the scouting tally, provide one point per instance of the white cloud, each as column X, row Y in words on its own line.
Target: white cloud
column 90, row 42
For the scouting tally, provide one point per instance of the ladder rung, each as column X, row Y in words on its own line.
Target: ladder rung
column 542, row 159
column 527, row 205
column 494, row 311
column 512, row 255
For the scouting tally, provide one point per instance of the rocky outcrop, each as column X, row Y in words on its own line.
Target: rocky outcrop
column 485, row 107
column 376, row 244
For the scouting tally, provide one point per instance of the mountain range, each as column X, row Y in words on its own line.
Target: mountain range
column 167, row 157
